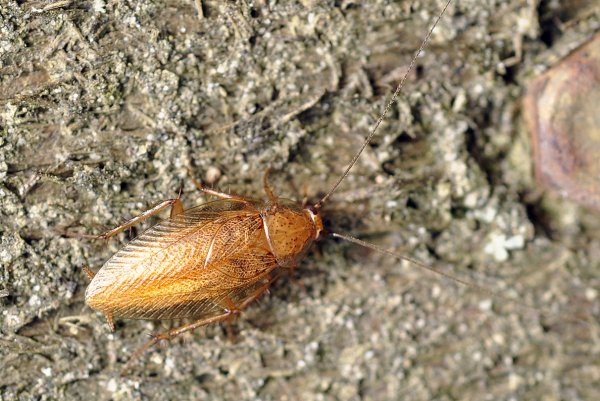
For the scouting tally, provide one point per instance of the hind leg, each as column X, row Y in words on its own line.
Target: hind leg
column 228, row 314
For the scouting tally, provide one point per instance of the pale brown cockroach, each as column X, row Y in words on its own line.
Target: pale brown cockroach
column 211, row 261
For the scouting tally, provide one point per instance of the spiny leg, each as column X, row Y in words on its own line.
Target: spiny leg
column 176, row 208
column 267, row 187
column 227, row 314
column 168, row 335
column 213, row 192
column 109, row 316
column 236, row 309
column 258, row 292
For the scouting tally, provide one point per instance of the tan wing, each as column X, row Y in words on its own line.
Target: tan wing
column 192, row 265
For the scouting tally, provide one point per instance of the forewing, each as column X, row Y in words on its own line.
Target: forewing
column 195, row 305
column 191, row 265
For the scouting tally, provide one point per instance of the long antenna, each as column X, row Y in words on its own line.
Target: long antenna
column 386, row 110
column 477, row 287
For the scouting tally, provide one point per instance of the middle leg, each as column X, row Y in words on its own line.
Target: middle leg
column 176, row 208
column 228, row 314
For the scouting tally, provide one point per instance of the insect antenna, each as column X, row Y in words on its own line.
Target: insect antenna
column 354, row 240
column 385, row 110
column 469, row 284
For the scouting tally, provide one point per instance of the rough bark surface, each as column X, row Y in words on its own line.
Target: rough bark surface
column 104, row 104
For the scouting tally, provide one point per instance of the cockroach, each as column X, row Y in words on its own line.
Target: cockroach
column 210, row 262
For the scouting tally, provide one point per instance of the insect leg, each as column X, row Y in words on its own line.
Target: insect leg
column 214, row 192
column 234, row 309
column 176, row 208
column 167, row 335
column 252, row 297
column 89, row 272
column 268, row 189
column 304, row 195
column 227, row 314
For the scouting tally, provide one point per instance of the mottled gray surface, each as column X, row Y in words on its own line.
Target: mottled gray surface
column 104, row 103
